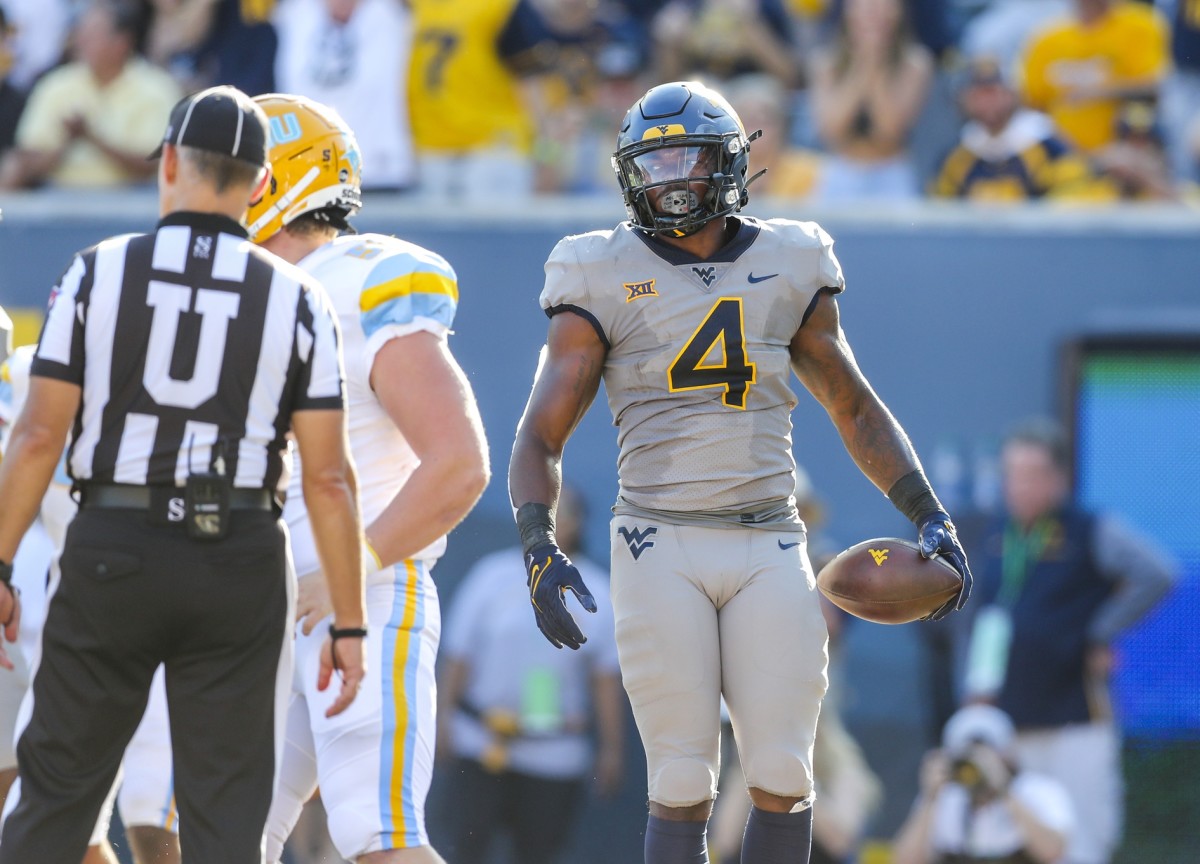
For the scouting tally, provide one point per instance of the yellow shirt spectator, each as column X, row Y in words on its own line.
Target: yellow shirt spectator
column 1079, row 72
column 130, row 111
column 463, row 95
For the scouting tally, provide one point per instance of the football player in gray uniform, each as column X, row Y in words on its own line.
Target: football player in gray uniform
column 695, row 318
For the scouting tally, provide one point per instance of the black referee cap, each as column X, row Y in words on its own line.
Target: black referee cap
column 220, row 120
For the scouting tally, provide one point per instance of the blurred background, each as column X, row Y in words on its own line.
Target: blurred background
column 1011, row 185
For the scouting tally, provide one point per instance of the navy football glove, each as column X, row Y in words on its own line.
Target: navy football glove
column 551, row 575
column 938, row 537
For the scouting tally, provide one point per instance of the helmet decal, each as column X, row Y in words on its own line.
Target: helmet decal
column 663, row 130
column 284, row 128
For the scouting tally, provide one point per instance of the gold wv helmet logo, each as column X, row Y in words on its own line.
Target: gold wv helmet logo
column 880, row 555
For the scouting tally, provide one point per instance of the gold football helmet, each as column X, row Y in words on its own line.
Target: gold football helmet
column 316, row 166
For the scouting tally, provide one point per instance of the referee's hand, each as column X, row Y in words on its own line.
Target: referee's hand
column 10, row 614
column 351, row 668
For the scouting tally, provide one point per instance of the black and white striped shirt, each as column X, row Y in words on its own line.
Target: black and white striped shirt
column 193, row 348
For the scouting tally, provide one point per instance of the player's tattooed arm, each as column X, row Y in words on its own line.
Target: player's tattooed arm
column 824, row 363
column 567, row 380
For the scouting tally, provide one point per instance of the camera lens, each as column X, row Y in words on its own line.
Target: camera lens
column 966, row 773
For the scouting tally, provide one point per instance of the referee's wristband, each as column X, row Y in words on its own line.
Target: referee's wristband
column 913, row 496
column 536, row 524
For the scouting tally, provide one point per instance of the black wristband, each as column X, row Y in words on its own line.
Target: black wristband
column 913, row 496
column 6, row 573
column 344, row 633
column 536, row 524
column 347, row 633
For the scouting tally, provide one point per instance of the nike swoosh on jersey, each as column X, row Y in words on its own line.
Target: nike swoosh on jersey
column 783, row 545
column 752, row 279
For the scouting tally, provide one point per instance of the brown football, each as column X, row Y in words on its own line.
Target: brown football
column 886, row 580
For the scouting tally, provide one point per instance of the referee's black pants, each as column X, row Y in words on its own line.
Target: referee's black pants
column 134, row 595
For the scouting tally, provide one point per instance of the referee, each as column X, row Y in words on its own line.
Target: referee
column 179, row 360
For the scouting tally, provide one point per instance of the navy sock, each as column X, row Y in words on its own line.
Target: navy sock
column 777, row 838
column 670, row 842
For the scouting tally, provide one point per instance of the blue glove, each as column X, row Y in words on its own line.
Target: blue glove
column 551, row 575
column 938, row 537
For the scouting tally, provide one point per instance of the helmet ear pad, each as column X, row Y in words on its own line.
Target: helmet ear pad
column 682, row 114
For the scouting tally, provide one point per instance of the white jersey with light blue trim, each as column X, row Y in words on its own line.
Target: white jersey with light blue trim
column 698, row 369
column 382, row 288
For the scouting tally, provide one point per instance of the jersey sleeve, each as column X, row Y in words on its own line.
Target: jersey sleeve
column 566, row 288
column 829, row 269
column 804, row 251
column 322, row 377
column 60, row 346
column 408, row 291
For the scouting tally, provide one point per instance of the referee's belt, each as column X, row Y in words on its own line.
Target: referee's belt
column 162, row 500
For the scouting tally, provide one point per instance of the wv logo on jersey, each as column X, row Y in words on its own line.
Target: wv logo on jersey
column 880, row 555
column 706, row 274
column 638, row 539
column 640, row 289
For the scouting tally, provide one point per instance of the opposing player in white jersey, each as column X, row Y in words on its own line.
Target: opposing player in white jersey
column 696, row 318
column 144, row 787
column 417, row 440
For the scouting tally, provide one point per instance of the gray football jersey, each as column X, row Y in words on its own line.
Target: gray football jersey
column 698, row 372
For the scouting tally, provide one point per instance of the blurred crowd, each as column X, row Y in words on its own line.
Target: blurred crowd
column 469, row 100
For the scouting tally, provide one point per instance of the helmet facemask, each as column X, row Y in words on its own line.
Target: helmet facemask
column 675, row 187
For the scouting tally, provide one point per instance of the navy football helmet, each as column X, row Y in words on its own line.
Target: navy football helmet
column 682, row 158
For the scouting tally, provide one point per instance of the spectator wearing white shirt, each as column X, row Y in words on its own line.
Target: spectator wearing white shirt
column 518, row 716
column 977, row 804
column 353, row 56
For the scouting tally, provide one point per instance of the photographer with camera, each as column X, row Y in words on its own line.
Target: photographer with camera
column 977, row 806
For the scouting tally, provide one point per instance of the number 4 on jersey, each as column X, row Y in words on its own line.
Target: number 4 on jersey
column 715, row 356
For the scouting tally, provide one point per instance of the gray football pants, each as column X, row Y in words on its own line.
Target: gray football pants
column 706, row 611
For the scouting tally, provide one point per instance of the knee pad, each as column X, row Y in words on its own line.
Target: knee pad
column 782, row 773
column 356, row 831
column 352, row 832
column 682, row 782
